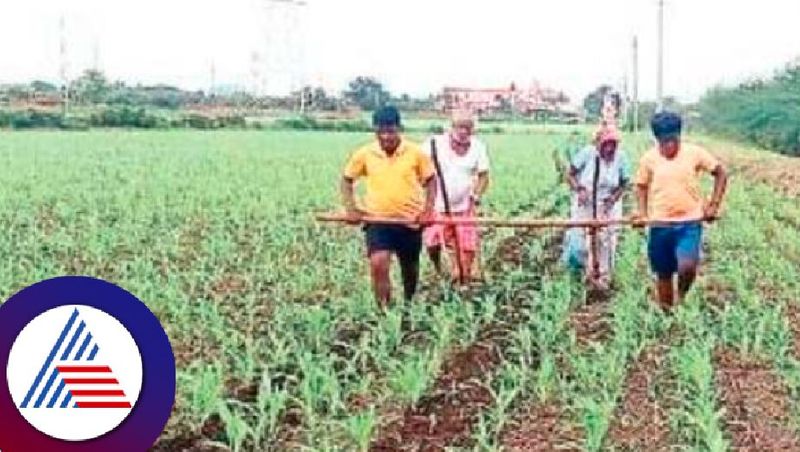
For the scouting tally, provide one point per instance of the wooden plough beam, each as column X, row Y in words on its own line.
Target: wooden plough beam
column 522, row 223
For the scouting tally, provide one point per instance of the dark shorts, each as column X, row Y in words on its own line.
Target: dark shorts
column 667, row 246
column 403, row 241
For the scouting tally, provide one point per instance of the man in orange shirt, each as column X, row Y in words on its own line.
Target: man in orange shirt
column 668, row 192
column 400, row 184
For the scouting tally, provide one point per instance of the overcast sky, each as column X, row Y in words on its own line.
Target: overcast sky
column 415, row 46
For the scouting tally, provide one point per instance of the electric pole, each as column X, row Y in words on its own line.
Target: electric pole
column 283, row 31
column 625, row 114
column 96, row 55
column 63, row 66
column 255, row 74
column 212, row 88
column 297, row 72
column 635, row 103
column 660, row 76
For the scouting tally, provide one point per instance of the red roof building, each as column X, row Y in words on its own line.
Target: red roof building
column 483, row 101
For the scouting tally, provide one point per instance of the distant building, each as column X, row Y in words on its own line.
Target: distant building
column 32, row 100
column 530, row 101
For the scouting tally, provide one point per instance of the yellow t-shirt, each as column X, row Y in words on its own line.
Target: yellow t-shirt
column 674, row 185
column 394, row 185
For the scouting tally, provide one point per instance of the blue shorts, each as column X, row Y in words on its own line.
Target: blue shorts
column 406, row 243
column 668, row 246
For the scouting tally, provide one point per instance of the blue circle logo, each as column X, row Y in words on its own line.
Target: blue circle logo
column 88, row 367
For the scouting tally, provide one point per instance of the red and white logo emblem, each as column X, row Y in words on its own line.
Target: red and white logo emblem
column 74, row 372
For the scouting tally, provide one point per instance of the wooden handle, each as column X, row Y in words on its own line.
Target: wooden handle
column 503, row 223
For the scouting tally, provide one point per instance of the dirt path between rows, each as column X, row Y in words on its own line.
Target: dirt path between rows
column 542, row 428
column 592, row 320
column 780, row 172
column 793, row 318
column 641, row 420
column 446, row 415
column 756, row 402
column 548, row 426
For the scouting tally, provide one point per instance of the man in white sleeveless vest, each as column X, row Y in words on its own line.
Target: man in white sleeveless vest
column 464, row 165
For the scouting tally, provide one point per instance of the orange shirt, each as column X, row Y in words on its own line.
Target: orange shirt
column 674, row 185
column 394, row 185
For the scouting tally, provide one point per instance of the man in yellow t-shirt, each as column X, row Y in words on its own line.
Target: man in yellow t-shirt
column 400, row 183
column 669, row 192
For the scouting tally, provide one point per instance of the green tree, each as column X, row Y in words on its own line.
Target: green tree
column 367, row 92
column 121, row 94
column 91, row 87
column 321, row 100
column 593, row 102
column 764, row 111
column 165, row 96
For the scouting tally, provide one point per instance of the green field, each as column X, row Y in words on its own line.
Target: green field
column 279, row 345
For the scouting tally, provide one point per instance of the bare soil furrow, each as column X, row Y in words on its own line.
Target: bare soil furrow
column 542, row 428
column 446, row 415
column 793, row 318
column 757, row 404
column 592, row 321
column 641, row 420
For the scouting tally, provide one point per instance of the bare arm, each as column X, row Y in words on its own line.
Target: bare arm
column 572, row 179
column 641, row 198
column 720, row 185
column 574, row 185
column 616, row 195
column 711, row 210
column 482, row 184
column 559, row 164
column 430, row 194
column 348, row 196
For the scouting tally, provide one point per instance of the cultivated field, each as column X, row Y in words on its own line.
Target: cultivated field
column 279, row 345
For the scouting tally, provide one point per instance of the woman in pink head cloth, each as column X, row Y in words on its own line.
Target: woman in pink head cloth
column 607, row 163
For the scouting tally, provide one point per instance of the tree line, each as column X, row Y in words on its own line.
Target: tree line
column 95, row 101
column 764, row 111
column 93, row 88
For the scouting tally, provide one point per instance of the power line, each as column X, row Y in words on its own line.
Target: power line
column 96, row 55
column 63, row 65
column 660, row 75
column 255, row 74
column 283, row 34
column 635, row 84
column 212, row 89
